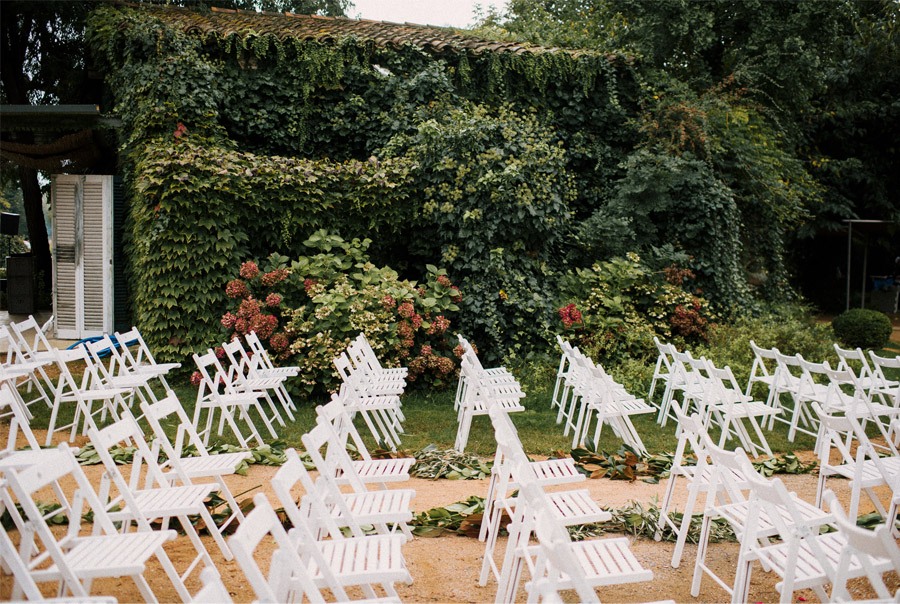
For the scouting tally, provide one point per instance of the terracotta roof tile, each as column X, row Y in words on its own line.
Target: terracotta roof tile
column 230, row 22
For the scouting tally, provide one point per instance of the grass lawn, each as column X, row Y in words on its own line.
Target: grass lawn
column 430, row 419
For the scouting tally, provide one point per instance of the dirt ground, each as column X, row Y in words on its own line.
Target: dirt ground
column 445, row 569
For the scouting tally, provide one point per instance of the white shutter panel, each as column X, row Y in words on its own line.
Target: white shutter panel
column 82, row 235
column 64, row 190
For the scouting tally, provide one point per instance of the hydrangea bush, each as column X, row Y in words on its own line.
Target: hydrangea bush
column 614, row 309
column 308, row 311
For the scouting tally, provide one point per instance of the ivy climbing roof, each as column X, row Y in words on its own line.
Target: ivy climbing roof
column 226, row 23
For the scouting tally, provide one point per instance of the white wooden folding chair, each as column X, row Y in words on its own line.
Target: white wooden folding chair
column 382, row 508
column 213, row 590
column 803, row 557
column 683, row 379
column 763, row 370
column 499, row 376
column 733, row 411
column 864, row 467
column 607, row 402
column 263, row 367
column 380, row 411
column 217, row 396
column 111, row 371
column 856, row 362
column 75, row 560
column 138, row 358
column 885, row 389
column 570, row 507
column 388, row 380
column 28, row 346
column 581, row 566
column 662, row 371
column 562, row 388
column 81, row 394
column 340, row 562
column 787, row 383
column 187, row 461
column 730, row 503
column 244, row 378
column 289, row 578
column 26, row 370
column 874, row 550
column 128, row 502
column 480, row 393
column 337, row 418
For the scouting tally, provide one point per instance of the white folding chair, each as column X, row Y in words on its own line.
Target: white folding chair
column 388, row 380
column 26, row 370
column 887, row 390
column 728, row 500
column 81, row 395
column 244, row 378
column 218, row 396
column 683, row 379
column 28, row 346
column 570, row 507
column 111, row 371
column 864, row 467
column 732, row 411
column 336, row 417
column 562, row 389
column 381, row 508
column 874, row 550
column 803, row 557
column 187, row 461
column 128, row 501
column 138, row 358
column 380, row 411
column 662, row 371
column 855, row 361
column 74, row 560
column 500, row 376
column 581, row 566
column 787, row 381
column 481, row 392
column 289, row 578
column 340, row 562
column 763, row 370
column 262, row 362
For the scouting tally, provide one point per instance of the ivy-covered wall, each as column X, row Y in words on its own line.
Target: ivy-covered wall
column 506, row 168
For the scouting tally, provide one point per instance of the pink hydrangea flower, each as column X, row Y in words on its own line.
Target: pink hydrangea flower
column 228, row 320
column 249, row 270
column 274, row 277
column 236, row 289
column 273, row 300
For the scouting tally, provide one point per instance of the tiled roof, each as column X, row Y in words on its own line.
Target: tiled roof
column 227, row 23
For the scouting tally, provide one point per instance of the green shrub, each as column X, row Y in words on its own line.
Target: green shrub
column 862, row 328
column 307, row 313
column 616, row 307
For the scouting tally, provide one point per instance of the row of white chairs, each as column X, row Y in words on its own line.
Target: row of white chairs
column 554, row 564
column 778, row 529
column 479, row 389
column 373, row 391
column 92, row 379
column 792, row 384
column 584, row 393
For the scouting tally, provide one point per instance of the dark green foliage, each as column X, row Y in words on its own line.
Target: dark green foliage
column 862, row 328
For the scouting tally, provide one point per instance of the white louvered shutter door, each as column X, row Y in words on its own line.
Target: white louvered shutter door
column 82, row 236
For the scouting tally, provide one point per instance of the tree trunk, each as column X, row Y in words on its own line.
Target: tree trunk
column 37, row 232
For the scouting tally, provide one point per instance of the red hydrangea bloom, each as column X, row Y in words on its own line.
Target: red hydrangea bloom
column 249, row 270
column 570, row 315
column 444, row 365
column 241, row 324
column 444, row 280
column 273, row 300
column 228, row 320
column 273, row 277
column 458, row 352
column 308, row 283
column 196, row 378
column 439, row 325
column 426, row 350
column 220, row 352
column 236, row 289
column 404, row 330
column 388, row 302
column 249, row 308
column 263, row 325
column 406, row 310
column 279, row 342
column 456, row 295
